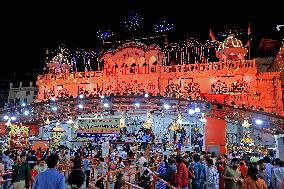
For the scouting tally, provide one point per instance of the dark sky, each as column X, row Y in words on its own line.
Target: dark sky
column 27, row 29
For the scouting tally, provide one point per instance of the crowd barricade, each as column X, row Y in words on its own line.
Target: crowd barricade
column 132, row 185
column 128, row 173
column 111, row 174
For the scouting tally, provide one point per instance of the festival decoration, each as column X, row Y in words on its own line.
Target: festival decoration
column 56, row 135
column 122, row 122
column 246, row 124
column 148, row 124
column 18, row 136
column 87, row 57
column 176, row 125
column 247, row 140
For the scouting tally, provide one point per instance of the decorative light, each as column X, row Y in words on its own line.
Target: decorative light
column 166, row 106
column 26, row 112
column 179, row 119
column 122, row 122
column 102, row 96
column 203, row 119
column 23, row 104
column 6, row 117
column 146, row 95
column 54, row 108
column 58, row 127
column 70, row 121
column 106, row 105
column 81, row 96
column 13, row 118
column 191, row 111
column 246, row 124
column 149, row 121
column 137, row 104
column 197, row 110
column 53, row 98
column 80, row 106
column 258, row 121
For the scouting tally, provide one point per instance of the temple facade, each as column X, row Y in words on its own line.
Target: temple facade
column 135, row 69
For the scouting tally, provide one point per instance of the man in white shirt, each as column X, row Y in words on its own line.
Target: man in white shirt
column 142, row 159
column 277, row 175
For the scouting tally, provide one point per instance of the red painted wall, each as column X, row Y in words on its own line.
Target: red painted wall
column 215, row 133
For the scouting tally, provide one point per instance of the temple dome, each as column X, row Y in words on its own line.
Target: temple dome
column 231, row 42
column 231, row 49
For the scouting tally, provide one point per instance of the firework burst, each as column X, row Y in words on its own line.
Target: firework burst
column 164, row 26
column 133, row 22
column 103, row 34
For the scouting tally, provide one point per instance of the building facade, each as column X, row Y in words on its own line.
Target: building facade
column 135, row 68
column 22, row 94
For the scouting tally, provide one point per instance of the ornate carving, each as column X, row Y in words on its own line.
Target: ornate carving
column 173, row 90
column 236, row 87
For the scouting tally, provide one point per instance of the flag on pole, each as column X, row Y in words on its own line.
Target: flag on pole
column 211, row 35
column 249, row 36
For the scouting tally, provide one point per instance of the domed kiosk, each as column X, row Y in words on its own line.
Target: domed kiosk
column 231, row 49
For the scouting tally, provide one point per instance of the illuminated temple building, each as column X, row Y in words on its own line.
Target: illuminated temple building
column 211, row 93
column 172, row 71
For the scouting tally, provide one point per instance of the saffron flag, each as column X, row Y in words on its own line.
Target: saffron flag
column 211, row 35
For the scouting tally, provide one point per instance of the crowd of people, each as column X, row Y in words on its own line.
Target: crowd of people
column 204, row 170
column 184, row 170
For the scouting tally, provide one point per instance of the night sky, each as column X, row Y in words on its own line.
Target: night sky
column 29, row 28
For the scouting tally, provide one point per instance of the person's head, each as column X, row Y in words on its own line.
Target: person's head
column 33, row 152
column 209, row 162
column 52, row 161
column 235, row 163
column 253, row 172
column 76, row 179
column 261, row 164
column 42, row 163
column 23, row 158
column 266, row 159
column 178, row 159
column 7, row 153
column 196, row 158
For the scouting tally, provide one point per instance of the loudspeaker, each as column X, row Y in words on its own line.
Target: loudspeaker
column 219, row 106
column 208, row 106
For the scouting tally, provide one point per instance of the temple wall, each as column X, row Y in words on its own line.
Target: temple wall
column 240, row 84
